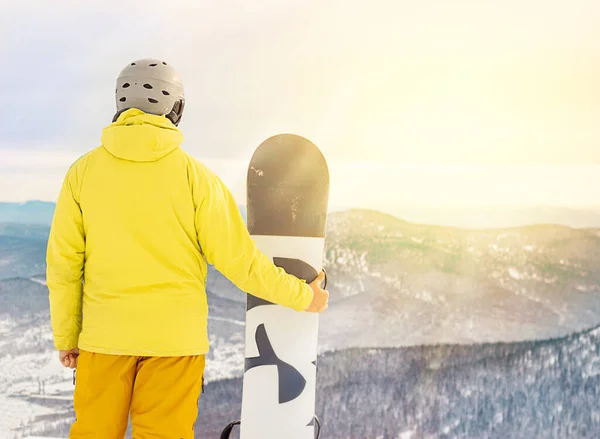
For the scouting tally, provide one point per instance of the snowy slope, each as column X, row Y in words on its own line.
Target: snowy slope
column 526, row 390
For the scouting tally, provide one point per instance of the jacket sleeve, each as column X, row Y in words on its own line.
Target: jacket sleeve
column 226, row 244
column 64, row 266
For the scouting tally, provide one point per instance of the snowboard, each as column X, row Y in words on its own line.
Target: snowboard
column 287, row 201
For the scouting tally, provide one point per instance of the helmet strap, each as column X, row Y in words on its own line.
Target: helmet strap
column 118, row 113
column 177, row 111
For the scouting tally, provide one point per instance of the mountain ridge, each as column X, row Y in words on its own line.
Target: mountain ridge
column 430, row 282
column 37, row 212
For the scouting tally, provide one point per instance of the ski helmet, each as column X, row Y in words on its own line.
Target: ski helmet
column 152, row 86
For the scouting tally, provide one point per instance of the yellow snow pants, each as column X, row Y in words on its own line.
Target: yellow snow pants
column 160, row 393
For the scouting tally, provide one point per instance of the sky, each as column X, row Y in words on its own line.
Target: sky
column 430, row 102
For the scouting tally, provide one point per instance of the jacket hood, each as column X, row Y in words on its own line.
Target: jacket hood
column 141, row 137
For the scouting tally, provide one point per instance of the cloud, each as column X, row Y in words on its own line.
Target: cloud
column 18, row 159
column 469, row 81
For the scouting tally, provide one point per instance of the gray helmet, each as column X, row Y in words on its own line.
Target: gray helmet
column 152, row 86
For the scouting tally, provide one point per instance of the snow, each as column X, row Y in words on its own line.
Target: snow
column 449, row 428
column 223, row 319
column 6, row 326
column 16, row 413
column 497, row 248
column 425, row 296
column 29, row 366
column 38, row 281
column 514, row 273
column 498, row 418
column 226, row 358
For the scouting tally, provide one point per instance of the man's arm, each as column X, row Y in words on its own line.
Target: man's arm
column 64, row 265
column 226, row 244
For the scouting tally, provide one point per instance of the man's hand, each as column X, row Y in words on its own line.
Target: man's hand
column 320, row 300
column 69, row 358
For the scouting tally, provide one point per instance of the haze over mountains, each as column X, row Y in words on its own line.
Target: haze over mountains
column 30, row 212
column 473, row 217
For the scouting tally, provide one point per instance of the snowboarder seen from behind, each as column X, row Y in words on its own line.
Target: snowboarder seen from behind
column 136, row 222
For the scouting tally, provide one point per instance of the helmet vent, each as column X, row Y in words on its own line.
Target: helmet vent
column 132, row 63
column 152, row 101
column 123, row 99
column 164, row 63
column 148, row 86
column 153, row 65
column 166, row 93
column 127, row 84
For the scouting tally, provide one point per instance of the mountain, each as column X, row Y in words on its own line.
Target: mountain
column 474, row 217
column 418, row 284
column 25, row 231
column 393, row 284
column 30, row 212
column 499, row 216
column 539, row 389
column 21, row 256
column 414, row 284
column 21, row 299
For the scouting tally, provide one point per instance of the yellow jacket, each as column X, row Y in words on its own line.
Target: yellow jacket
column 125, row 265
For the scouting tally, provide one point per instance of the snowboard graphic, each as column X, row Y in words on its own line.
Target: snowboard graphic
column 287, row 199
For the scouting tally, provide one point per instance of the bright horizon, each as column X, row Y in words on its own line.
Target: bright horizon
column 376, row 186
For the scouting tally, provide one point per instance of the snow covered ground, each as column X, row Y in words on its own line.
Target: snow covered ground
column 31, row 385
column 17, row 413
column 34, row 384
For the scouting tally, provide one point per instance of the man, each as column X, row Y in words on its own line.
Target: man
column 137, row 220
